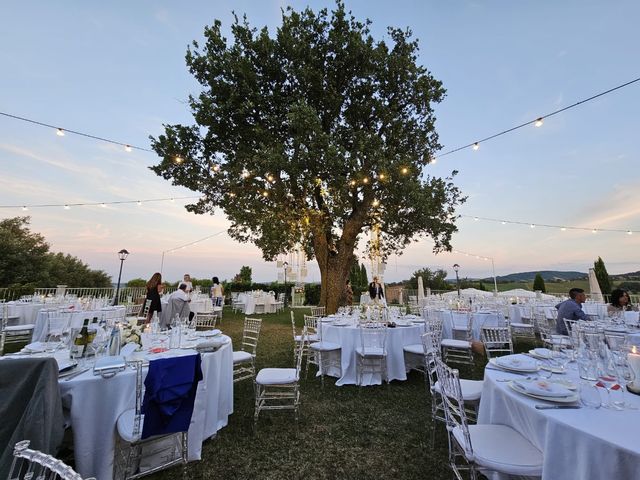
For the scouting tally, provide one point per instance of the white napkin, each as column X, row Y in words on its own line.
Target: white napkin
column 128, row 349
column 542, row 352
column 35, row 347
column 517, row 362
column 544, row 389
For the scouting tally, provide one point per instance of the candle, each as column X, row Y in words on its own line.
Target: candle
column 633, row 358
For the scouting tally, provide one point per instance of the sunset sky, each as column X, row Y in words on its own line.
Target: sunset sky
column 117, row 70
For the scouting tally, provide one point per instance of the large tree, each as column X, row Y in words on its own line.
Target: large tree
column 310, row 137
column 603, row 276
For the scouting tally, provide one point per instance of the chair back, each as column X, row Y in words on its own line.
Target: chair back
column 293, row 325
column 373, row 339
column 250, row 334
column 431, row 346
column 435, row 325
column 169, row 395
column 145, row 310
column 311, row 324
column 496, row 340
column 454, row 403
column 31, row 464
column 206, row 320
column 318, row 311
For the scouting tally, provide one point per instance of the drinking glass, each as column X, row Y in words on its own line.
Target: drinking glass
column 625, row 375
column 589, row 395
column 607, row 380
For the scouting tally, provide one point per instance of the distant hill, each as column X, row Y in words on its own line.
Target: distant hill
column 626, row 276
column 547, row 275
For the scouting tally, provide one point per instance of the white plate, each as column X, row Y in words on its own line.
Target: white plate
column 569, row 399
column 542, row 353
column 341, row 323
column 209, row 333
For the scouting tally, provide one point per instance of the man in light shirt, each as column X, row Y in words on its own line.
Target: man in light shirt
column 179, row 304
column 571, row 309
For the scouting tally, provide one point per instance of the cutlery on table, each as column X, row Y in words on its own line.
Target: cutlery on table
column 557, row 407
column 506, row 371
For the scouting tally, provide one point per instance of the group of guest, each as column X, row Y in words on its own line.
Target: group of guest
column 571, row 309
column 178, row 302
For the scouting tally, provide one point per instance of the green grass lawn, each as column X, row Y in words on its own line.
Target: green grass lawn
column 343, row 433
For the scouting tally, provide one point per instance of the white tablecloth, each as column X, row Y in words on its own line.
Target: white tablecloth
column 41, row 329
column 95, row 403
column 250, row 301
column 349, row 339
column 518, row 312
column 26, row 311
column 459, row 319
column 576, row 444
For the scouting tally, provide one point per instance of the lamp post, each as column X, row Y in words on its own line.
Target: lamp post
column 122, row 255
column 285, row 265
column 456, row 267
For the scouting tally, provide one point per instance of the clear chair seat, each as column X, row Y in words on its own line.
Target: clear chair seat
column 19, row 328
column 240, row 356
column 416, row 348
column 324, row 346
column 501, row 448
column 371, row 352
column 471, row 389
column 125, row 425
column 452, row 343
column 522, row 325
column 276, row 376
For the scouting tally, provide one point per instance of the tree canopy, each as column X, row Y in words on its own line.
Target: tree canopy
column 603, row 276
column 311, row 136
column 433, row 279
column 538, row 284
column 25, row 259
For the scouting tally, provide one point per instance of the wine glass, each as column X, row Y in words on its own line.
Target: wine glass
column 625, row 375
column 607, row 380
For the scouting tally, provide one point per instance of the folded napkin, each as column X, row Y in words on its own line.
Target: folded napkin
column 517, row 362
column 35, row 347
column 128, row 349
column 542, row 352
column 544, row 389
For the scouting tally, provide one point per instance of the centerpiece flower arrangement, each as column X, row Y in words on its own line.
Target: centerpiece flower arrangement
column 131, row 332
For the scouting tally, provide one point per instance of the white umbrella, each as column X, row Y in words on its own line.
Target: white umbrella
column 594, row 287
column 469, row 292
column 420, row 289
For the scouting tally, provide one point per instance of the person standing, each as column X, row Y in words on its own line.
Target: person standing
column 375, row 291
column 217, row 293
column 187, row 281
column 348, row 294
column 571, row 310
column 154, row 290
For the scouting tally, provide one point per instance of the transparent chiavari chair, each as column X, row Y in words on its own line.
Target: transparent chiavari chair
column 497, row 341
column 11, row 334
column 482, row 448
column 318, row 311
column 371, row 355
column 525, row 328
column 547, row 329
column 300, row 342
column 244, row 359
column 31, row 464
column 459, row 350
column 205, row 321
column 279, row 388
column 325, row 355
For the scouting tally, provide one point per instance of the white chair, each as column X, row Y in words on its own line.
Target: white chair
column 137, row 453
column 318, row 311
column 482, row 448
column 205, row 321
column 142, row 317
column 278, row 305
column 244, row 360
column 371, row 355
column 547, row 328
column 217, row 307
column 497, row 341
column 299, row 341
column 237, row 305
column 471, row 389
column 12, row 334
column 458, row 350
column 525, row 329
column 325, row 355
column 31, row 464
column 414, row 354
column 278, row 388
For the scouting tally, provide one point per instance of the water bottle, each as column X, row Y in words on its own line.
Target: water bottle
column 115, row 340
column 176, row 333
column 155, row 324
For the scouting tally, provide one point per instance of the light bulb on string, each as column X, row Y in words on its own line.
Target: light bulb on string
column 563, row 229
column 375, row 202
column 538, row 122
column 103, row 205
column 352, row 183
column 67, row 207
column 245, row 173
column 503, row 223
column 60, row 132
column 365, row 180
column 179, row 159
column 532, row 226
column 476, row 146
column 25, row 209
column 434, row 161
column 127, row 148
column 381, row 176
column 629, row 232
column 173, row 200
column 475, row 219
column 404, row 170
column 265, row 194
column 594, row 231
column 139, row 202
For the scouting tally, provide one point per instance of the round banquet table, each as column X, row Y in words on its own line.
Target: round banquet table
column 41, row 329
column 576, row 444
column 348, row 337
column 459, row 319
column 94, row 404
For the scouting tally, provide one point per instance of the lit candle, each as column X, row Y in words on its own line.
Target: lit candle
column 633, row 358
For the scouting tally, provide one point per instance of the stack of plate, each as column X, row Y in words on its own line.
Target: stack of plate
column 515, row 363
column 544, row 390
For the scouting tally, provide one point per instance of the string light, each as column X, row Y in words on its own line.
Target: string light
column 173, row 200
column 376, row 203
column 67, row 206
column 265, row 194
column 365, row 180
column 103, row 205
column 127, row 148
column 270, row 178
column 562, row 228
column 60, row 132
column 405, row 170
column 215, row 167
column 352, row 183
column 179, row 159
column 381, row 176
column 538, row 120
column 245, row 173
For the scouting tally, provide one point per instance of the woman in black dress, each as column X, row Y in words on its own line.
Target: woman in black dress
column 154, row 289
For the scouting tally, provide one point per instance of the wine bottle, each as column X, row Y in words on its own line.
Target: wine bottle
column 78, row 348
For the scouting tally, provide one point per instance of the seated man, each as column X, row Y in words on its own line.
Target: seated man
column 178, row 305
column 571, row 309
